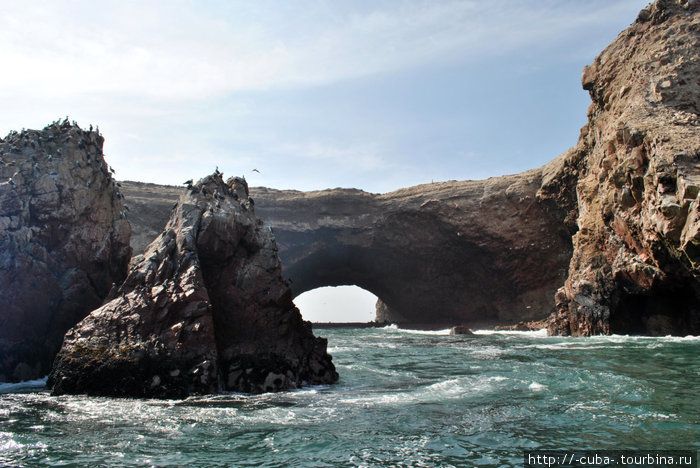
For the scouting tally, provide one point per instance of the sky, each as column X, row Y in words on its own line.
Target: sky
column 371, row 94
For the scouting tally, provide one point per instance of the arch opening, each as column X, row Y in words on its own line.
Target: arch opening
column 337, row 304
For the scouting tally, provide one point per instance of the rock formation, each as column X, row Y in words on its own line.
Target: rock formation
column 461, row 330
column 64, row 241
column 151, row 205
column 636, row 261
column 496, row 251
column 474, row 252
column 204, row 308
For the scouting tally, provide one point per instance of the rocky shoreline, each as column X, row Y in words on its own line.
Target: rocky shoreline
column 603, row 239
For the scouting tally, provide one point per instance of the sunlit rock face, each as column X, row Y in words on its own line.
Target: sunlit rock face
column 204, row 309
column 636, row 261
column 64, row 241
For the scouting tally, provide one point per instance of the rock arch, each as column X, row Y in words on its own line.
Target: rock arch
column 482, row 252
column 478, row 252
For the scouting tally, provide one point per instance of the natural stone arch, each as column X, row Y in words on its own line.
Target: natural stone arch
column 478, row 252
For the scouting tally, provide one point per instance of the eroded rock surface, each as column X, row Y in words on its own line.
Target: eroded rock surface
column 471, row 252
column 64, row 241
column 474, row 252
column 205, row 308
column 636, row 261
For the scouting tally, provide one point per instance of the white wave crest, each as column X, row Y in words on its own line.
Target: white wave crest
column 446, row 331
column 533, row 333
column 537, row 387
column 11, row 387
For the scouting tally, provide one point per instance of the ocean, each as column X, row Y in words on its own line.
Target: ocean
column 405, row 398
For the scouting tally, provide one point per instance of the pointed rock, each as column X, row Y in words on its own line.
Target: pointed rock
column 204, row 309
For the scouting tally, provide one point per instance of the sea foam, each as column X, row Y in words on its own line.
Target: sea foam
column 12, row 387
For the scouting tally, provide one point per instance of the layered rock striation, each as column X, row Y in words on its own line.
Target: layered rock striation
column 636, row 260
column 204, row 309
column 64, row 241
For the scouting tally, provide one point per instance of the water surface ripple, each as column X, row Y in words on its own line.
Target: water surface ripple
column 404, row 398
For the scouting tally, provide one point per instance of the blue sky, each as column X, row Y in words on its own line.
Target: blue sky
column 375, row 95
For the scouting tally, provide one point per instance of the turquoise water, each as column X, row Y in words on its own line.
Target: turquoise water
column 404, row 399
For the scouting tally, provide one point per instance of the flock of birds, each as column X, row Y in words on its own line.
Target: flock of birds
column 190, row 183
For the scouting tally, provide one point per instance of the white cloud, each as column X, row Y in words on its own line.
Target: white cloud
column 183, row 50
column 179, row 87
column 353, row 157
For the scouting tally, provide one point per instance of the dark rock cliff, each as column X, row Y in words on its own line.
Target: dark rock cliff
column 479, row 252
column 64, row 241
column 204, row 308
column 472, row 252
column 636, row 261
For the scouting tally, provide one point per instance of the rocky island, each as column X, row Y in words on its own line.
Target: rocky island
column 603, row 239
column 64, row 241
column 636, row 261
column 204, row 309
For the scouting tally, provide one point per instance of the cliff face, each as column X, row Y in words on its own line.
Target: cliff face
column 205, row 308
column 476, row 252
column 487, row 252
column 64, row 241
column 636, row 261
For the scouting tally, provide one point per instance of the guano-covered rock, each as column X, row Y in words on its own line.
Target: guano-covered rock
column 64, row 241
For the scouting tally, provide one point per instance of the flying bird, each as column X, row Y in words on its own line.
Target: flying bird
column 255, row 170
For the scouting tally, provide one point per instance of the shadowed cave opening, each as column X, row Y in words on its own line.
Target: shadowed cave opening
column 664, row 312
column 337, row 304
